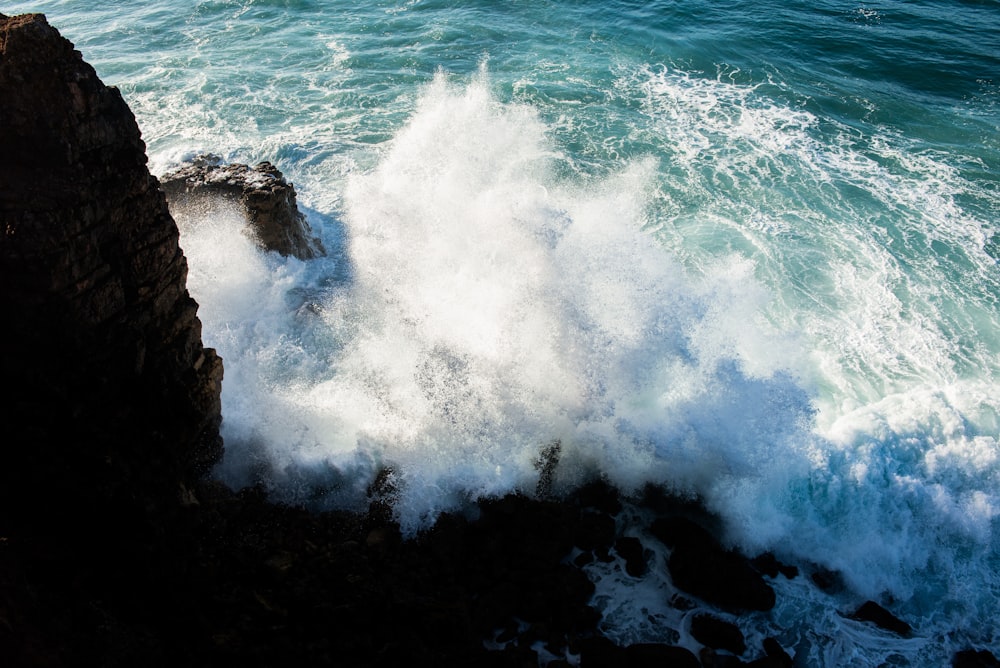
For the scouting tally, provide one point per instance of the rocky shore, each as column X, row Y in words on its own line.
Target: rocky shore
column 117, row 550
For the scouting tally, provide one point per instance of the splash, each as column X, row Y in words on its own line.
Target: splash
column 493, row 309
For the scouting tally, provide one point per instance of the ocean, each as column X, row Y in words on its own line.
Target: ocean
column 745, row 251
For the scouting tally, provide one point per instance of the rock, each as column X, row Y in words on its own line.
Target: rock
column 595, row 531
column 776, row 657
column 767, row 564
column 712, row 659
column 870, row 611
column 115, row 404
column 652, row 655
column 718, row 634
column 600, row 652
column 829, row 581
column 699, row 565
column 970, row 658
column 267, row 199
column 630, row 549
column 598, row 495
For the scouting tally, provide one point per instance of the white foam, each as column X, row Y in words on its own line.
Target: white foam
column 494, row 309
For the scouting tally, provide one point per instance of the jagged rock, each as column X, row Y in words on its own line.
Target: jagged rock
column 699, row 565
column 870, row 611
column 114, row 403
column 267, row 199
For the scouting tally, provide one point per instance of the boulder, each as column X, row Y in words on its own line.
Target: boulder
column 870, row 611
column 699, row 565
column 718, row 634
column 268, row 201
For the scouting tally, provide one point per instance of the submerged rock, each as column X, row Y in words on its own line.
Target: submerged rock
column 267, row 200
column 870, row 611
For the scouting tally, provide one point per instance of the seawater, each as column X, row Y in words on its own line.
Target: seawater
column 747, row 251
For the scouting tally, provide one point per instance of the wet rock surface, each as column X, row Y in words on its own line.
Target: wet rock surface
column 701, row 566
column 268, row 201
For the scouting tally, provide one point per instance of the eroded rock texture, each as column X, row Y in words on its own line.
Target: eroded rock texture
column 112, row 402
column 267, row 199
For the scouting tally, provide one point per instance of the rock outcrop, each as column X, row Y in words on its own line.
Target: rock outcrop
column 112, row 401
column 267, row 199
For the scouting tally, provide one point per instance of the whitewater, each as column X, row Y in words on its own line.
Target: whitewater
column 748, row 252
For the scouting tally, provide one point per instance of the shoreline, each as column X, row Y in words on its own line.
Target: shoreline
column 115, row 549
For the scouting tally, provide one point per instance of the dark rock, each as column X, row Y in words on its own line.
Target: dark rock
column 829, row 581
column 699, row 565
column 970, row 658
column 776, row 657
column 267, row 199
column 652, row 655
column 115, row 405
column 712, row 659
column 767, row 564
column 718, row 634
column 599, row 652
column 871, row 611
column 630, row 549
column 598, row 495
column 595, row 531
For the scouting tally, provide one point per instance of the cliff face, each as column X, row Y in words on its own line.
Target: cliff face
column 113, row 402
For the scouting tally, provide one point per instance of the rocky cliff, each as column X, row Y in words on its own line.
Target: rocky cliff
column 112, row 401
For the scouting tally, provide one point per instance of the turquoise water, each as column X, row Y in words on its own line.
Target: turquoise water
column 748, row 250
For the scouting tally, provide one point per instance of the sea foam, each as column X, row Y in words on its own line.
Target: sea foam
column 492, row 309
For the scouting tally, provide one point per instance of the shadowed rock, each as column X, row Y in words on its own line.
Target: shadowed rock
column 114, row 406
column 718, row 634
column 600, row 652
column 970, row 658
column 267, row 200
column 699, row 565
column 872, row 612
